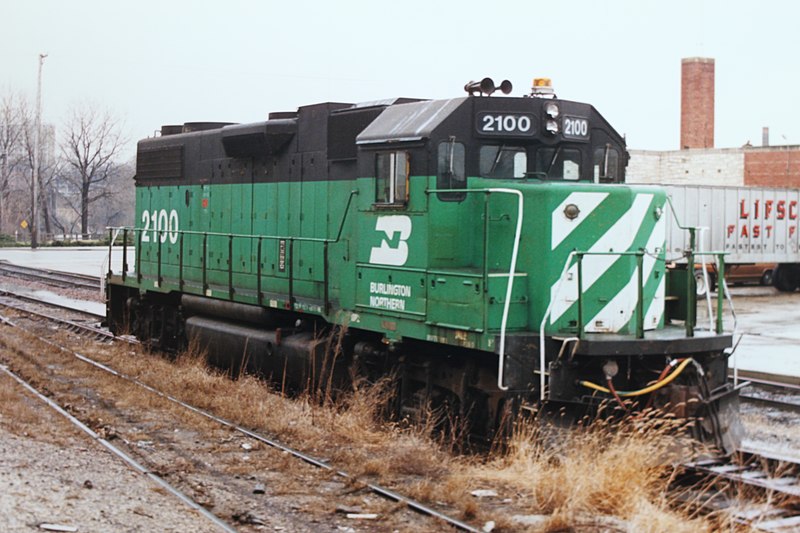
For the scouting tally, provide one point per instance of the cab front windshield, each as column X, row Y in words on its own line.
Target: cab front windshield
column 503, row 162
column 551, row 163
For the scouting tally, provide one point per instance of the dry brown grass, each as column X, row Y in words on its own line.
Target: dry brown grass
column 347, row 430
column 599, row 476
column 600, row 470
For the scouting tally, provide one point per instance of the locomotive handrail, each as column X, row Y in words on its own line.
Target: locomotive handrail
column 329, row 240
column 639, row 303
column 161, row 235
column 547, row 311
column 691, row 293
column 501, row 356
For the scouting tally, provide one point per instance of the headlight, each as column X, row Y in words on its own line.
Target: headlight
column 551, row 110
column 551, row 126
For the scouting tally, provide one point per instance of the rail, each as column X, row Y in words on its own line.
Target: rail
column 285, row 243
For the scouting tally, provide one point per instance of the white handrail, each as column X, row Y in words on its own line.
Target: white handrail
column 501, row 359
column 544, row 321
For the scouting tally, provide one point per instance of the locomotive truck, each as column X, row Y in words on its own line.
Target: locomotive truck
column 484, row 251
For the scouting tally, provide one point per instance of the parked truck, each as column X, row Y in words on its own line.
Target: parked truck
column 756, row 226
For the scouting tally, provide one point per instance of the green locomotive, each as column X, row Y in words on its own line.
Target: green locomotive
column 461, row 245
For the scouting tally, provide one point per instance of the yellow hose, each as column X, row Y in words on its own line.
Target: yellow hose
column 647, row 390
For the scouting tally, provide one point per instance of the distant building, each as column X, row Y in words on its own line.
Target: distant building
column 767, row 166
column 698, row 162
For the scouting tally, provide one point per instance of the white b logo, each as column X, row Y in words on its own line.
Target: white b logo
column 394, row 248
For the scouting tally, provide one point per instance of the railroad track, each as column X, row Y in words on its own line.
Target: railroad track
column 53, row 278
column 767, row 390
column 766, row 474
column 773, row 482
column 101, row 334
column 127, row 458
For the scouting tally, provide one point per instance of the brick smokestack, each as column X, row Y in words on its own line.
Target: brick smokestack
column 697, row 103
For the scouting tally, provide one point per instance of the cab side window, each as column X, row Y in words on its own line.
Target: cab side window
column 391, row 173
column 450, row 173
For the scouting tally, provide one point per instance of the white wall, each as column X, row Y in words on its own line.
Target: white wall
column 717, row 166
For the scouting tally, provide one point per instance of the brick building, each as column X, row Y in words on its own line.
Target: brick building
column 698, row 162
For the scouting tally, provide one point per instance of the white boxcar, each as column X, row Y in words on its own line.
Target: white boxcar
column 755, row 225
column 752, row 224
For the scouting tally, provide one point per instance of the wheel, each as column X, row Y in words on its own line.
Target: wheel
column 785, row 278
column 766, row 278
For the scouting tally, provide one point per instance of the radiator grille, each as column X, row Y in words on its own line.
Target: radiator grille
column 163, row 163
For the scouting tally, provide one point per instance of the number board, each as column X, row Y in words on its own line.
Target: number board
column 505, row 124
column 576, row 128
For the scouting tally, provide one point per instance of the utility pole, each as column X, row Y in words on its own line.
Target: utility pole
column 36, row 162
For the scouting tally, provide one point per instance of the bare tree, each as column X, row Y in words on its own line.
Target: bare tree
column 48, row 171
column 92, row 142
column 117, row 209
column 14, row 121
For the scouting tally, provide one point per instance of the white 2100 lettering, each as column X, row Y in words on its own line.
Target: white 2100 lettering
column 160, row 222
column 394, row 248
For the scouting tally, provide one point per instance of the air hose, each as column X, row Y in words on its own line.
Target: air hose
column 647, row 390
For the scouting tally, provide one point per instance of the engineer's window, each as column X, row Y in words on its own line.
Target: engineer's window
column 606, row 164
column 391, row 183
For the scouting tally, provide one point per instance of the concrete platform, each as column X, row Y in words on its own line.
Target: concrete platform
column 88, row 260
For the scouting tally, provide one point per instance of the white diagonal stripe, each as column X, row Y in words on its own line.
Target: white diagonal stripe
column 618, row 238
column 653, row 315
column 561, row 226
column 618, row 312
column 655, row 246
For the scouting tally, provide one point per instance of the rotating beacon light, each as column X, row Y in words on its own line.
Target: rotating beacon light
column 542, row 88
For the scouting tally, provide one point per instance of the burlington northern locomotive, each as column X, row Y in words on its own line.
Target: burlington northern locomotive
column 483, row 250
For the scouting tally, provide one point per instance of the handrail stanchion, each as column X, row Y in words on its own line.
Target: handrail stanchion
column 580, row 295
column 721, row 290
column 124, row 253
column 230, row 267
column 258, row 272
column 158, row 236
column 485, row 257
column 291, row 273
column 691, row 286
column 139, row 256
column 180, row 261
column 205, row 266
column 110, row 244
column 325, row 283
column 640, row 295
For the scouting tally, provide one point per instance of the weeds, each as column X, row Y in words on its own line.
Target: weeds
column 597, row 476
column 605, row 469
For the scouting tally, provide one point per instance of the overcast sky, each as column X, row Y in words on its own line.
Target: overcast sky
column 169, row 62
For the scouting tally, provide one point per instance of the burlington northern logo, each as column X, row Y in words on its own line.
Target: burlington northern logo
column 394, row 248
